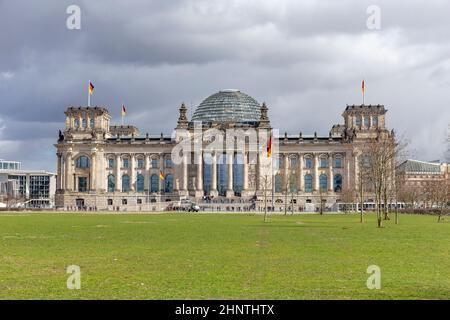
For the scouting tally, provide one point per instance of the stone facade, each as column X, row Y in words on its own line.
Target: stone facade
column 107, row 167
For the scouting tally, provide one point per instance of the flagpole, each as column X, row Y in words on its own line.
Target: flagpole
column 89, row 94
column 364, row 90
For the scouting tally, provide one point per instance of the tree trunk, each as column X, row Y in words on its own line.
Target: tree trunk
column 396, row 213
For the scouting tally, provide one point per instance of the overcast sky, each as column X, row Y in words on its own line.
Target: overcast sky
column 305, row 59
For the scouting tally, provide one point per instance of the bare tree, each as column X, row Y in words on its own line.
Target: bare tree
column 380, row 154
column 266, row 184
column 439, row 197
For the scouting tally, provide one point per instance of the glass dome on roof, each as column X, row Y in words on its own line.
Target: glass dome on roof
column 228, row 105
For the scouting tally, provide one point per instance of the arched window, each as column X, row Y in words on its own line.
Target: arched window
column 169, row 183
column 337, row 183
column 293, row 183
column 92, row 123
column 293, row 163
column 82, row 162
column 308, row 162
column 323, row 183
column 140, row 183
column 366, row 121
column 323, row 162
column 154, row 183
column 358, row 121
column 125, row 183
column 140, row 163
column 308, row 183
column 125, row 163
column 84, row 123
column 338, row 162
column 77, row 123
column 111, row 163
column 278, row 183
column 111, row 183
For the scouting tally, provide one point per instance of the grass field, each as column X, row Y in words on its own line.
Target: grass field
column 221, row 256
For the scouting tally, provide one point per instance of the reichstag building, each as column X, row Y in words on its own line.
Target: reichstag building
column 101, row 166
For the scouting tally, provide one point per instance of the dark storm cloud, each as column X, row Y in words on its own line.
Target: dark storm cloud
column 305, row 59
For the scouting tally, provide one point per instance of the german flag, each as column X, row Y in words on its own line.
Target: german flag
column 124, row 111
column 269, row 148
column 91, row 87
column 161, row 175
column 362, row 87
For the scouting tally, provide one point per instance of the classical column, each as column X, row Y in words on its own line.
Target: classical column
column 161, row 168
column 214, row 172
column 347, row 162
column 356, row 166
column 147, row 172
column 199, row 179
column 316, row 172
column 93, row 170
column 69, row 183
column 230, row 172
column 330, row 172
column 117, row 173
column 185, row 171
column 286, row 171
column 133, row 172
column 300, row 170
column 58, row 172
column 245, row 171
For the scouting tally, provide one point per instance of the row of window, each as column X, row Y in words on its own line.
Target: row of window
column 366, row 119
column 309, row 162
column 154, row 183
column 83, row 162
column 308, row 178
column 140, row 163
column 84, row 123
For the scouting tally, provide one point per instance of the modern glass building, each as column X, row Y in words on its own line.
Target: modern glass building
column 26, row 188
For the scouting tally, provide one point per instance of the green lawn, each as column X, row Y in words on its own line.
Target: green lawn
column 221, row 256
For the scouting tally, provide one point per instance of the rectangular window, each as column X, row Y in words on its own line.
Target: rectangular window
column 125, row 163
column 139, row 201
column 154, row 163
column 124, row 201
column 168, row 163
column 375, row 121
column 110, row 202
column 140, row 163
column 110, row 163
column 82, row 184
column 338, row 163
column 323, row 162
